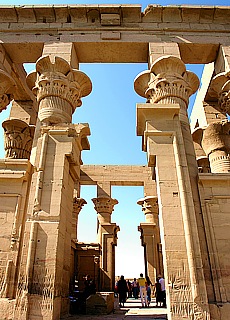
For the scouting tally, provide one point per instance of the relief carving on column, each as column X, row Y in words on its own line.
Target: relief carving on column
column 180, row 290
column 167, row 82
column 220, row 89
column 215, row 141
column 7, row 87
column 18, row 136
column 58, row 89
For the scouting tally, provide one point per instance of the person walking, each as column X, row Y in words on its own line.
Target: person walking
column 135, row 288
column 148, row 288
column 143, row 291
column 122, row 291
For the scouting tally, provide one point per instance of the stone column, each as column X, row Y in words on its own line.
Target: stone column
column 44, row 274
column 58, row 89
column 18, row 139
column 7, row 87
column 150, row 236
column 215, row 141
column 164, row 125
column 107, row 238
column 78, row 204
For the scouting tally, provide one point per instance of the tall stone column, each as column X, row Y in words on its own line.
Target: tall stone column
column 44, row 276
column 150, row 236
column 107, row 238
column 164, row 125
column 7, row 87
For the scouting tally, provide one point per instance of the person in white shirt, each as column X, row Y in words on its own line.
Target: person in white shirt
column 163, row 293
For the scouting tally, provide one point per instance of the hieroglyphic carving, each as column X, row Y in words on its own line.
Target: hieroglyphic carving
column 39, row 294
column 181, row 297
column 18, row 139
column 58, row 89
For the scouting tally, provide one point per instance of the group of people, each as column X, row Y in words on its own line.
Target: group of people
column 141, row 287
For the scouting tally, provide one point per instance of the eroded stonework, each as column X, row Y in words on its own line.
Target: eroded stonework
column 186, row 179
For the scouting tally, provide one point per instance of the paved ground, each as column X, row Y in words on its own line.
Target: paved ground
column 131, row 310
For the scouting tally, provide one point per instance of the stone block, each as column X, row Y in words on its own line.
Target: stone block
column 100, row 303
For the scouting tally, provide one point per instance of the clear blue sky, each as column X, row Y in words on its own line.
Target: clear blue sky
column 110, row 111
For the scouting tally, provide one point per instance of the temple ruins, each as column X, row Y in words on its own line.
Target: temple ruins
column 186, row 180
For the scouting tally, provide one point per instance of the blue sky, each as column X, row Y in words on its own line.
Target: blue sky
column 110, row 111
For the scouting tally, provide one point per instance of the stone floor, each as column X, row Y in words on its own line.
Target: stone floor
column 131, row 310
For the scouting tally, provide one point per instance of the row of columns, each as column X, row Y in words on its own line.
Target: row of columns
column 107, row 236
column 164, row 125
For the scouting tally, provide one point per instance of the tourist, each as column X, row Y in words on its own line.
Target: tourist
column 122, row 291
column 135, row 288
column 90, row 287
column 143, row 291
column 148, row 289
column 163, row 292
column 157, row 291
column 129, row 285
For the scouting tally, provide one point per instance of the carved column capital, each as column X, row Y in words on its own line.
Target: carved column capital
column 215, row 141
column 104, row 207
column 220, row 88
column 58, row 89
column 7, row 87
column 167, row 82
column 18, row 137
column 78, row 204
column 150, row 208
column 216, row 144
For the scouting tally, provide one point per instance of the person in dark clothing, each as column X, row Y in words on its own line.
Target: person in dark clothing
column 122, row 290
column 158, row 294
column 90, row 287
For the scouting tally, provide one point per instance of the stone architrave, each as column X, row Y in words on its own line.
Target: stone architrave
column 58, row 89
column 7, row 87
column 18, row 139
column 78, row 204
column 107, row 238
column 164, row 125
column 150, row 236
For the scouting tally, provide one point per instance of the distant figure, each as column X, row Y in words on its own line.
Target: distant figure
column 163, row 293
column 90, row 287
column 129, row 288
column 135, row 288
column 122, row 291
column 143, row 291
column 157, row 291
column 115, row 288
column 148, row 288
